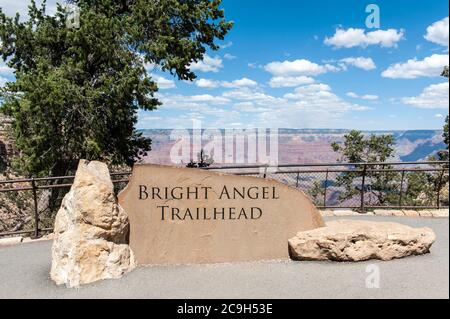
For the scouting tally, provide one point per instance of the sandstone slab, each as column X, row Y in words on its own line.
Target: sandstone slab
column 91, row 231
column 344, row 212
column 425, row 213
column 326, row 213
column 11, row 241
column 383, row 212
column 440, row 213
column 398, row 213
column 411, row 213
column 351, row 240
column 185, row 215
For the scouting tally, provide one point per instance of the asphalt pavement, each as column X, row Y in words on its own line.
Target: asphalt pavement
column 24, row 273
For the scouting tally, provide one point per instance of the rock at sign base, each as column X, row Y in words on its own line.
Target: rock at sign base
column 91, row 231
column 351, row 240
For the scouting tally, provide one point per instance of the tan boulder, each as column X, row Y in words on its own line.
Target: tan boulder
column 398, row 213
column 442, row 213
column 383, row 212
column 425, row 213
column 10, row 241
column 184, row 216
column 411, row 213
column 91, row 231
column 351, row 240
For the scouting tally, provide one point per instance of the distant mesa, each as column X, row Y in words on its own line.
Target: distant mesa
column 313, row 145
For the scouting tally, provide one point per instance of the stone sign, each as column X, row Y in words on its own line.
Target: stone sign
column 185, row 215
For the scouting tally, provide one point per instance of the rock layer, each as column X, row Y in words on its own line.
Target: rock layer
column 349, row 240
column 91, row 231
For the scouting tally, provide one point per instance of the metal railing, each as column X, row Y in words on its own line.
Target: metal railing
column 322, row 182
column 33, row 187
column 297, row 173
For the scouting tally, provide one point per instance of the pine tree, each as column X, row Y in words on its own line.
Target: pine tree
column 356, row 148
column 78, row 88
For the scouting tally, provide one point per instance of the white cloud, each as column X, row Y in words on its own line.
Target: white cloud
column 150, row 67
column 253, row 65
column 358, row 37
column 434, row 96
column 3, row 81
column 290, row 81
column 438, row 32
column 206, row 83
column 244, row 82
column 229, row 56
column 360, row 62
column 164, row 83
column 309, row 106
column 320, row 97
column 439, row 116
column 152, row 118
column 297, row 68
column 249, row 107
column 429, row 67
column 256, row 96
column 208, row 64
column 226, row 45
column 313, row 88
column 368, row 97
column 5, row 70
column 208, row 99
column 10, row 7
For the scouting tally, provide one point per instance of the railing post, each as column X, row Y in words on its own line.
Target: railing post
column 36, row 212
column 363, row 185
column 298, row 180
column 401, row 190
column 325, row 190
column 439, row 190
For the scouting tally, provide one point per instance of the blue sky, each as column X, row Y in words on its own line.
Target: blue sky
column 314, row 64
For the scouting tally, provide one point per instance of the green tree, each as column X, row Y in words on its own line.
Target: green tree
column 317, row 192
column 444, row 154
column 381, row 187
column 203, row 160
column 78, row 88
column 445, row 71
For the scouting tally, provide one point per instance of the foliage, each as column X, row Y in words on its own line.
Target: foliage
column 445, row 71
column 380, row 187
column 78, row 89
column 444, row 154
column 203, row 160
column 317, row 192
column 420, row 189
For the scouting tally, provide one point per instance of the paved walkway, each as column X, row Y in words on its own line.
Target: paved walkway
column 24, row 274
column 427, row 213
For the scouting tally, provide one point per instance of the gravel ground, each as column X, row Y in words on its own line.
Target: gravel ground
column 24, row 274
